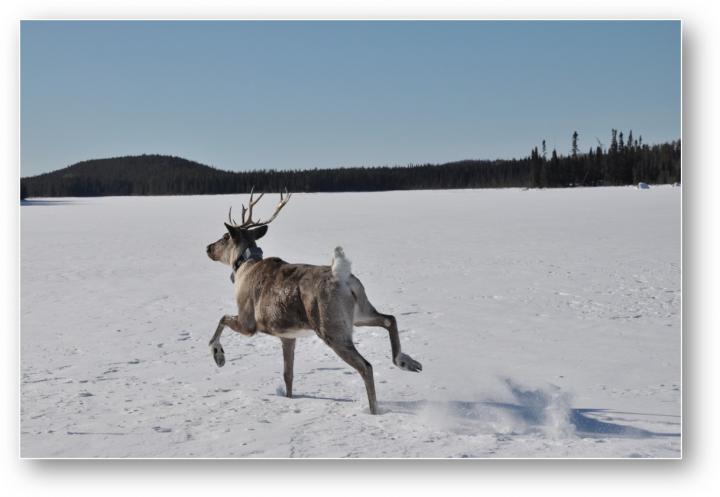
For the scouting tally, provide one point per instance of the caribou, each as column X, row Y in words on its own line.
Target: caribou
column 289, row 301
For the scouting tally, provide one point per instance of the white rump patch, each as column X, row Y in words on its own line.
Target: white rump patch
column 341, row 267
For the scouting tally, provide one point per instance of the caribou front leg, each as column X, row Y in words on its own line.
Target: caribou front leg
column 288, row 346
column 234, row 323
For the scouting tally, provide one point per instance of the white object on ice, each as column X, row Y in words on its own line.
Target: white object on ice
column 643, row 186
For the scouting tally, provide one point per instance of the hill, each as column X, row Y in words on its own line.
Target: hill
column 130, row 175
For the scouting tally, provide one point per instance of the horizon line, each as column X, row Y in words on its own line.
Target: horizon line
column 300, row 169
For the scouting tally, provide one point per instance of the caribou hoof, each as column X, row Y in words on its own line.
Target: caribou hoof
column 404, row 361
column 218, row 354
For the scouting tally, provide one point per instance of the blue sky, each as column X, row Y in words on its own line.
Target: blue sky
column 249, row 95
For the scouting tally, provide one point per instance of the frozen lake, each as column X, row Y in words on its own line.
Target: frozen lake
column 547, row 323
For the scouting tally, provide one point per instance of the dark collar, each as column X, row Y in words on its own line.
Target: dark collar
column 249, row 253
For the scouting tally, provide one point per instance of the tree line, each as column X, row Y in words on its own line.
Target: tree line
column 625, row 161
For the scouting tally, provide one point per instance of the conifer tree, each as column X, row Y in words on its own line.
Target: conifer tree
column 613, row 142
column 575, row 144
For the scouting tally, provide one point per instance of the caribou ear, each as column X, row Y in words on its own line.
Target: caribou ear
column 259, row 232
column 235, row 231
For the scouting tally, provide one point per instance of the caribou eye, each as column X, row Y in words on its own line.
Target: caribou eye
column 226, row 236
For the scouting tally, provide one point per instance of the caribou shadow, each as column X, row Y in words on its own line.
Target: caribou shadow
column 531, row 415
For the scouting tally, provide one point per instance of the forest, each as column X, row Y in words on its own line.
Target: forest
column 627, row 160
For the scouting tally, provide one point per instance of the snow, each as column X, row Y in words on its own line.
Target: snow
column 547, row 323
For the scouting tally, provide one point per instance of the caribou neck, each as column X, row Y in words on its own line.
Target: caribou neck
column 254, row 253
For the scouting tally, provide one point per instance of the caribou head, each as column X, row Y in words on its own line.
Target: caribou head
column 238, row 244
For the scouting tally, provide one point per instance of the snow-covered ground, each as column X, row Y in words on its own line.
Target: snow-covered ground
column 547, row 323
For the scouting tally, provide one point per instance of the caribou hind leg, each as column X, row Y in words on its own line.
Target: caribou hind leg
column 368, row 316
column 348, row 353
column 288, row 346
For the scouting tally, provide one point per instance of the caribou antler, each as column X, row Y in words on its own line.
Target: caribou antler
column 248, row 222
column 231, row 221
column 283, row 200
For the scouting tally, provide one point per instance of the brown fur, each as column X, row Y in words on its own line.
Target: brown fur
column 283, row 299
